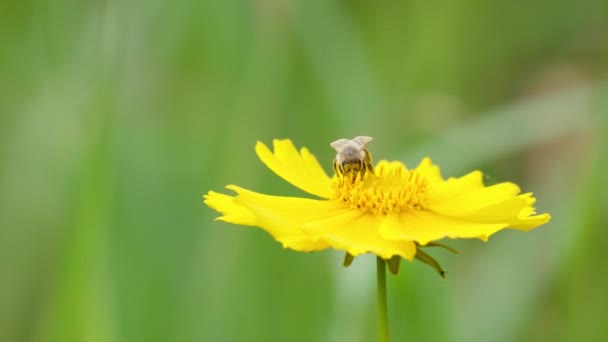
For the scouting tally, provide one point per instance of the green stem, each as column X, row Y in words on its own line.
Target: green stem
column 382, row 307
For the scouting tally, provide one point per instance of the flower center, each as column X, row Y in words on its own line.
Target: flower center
column 391, row 189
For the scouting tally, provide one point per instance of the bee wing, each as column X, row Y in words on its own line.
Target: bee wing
column 339, row 144
column 362, row 140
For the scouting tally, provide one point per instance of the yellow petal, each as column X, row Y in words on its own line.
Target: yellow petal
column 524, row 218
column 231, row 209
column 423, row 227
column 298, row 168
column 430, row 171
column 279, row 216
column 445, row 192
column 531, row 222
column 494, row 204
column 358, row 233
column 459, row 198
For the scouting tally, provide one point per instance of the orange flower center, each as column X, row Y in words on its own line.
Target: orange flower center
column 391, row 189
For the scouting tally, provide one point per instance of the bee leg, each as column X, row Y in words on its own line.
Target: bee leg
column 368, row 161
column 356, row 171
column 336, row 168
column 363, row 169
column 341, row 171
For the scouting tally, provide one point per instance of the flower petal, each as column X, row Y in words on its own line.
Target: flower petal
column 298, row 168
column 279, row 216
column 530, row 222
column 358, row 233
column 429, row 170
column 515, row 211
column 424, row 226
column 231, row 209
column 468, row 195
column 447, row 191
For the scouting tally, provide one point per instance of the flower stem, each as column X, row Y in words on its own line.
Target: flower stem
column 382, row 307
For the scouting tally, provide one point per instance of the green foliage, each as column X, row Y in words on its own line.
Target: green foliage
column 116, row 116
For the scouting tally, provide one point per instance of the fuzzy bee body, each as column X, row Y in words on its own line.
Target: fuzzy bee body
column 352, row 159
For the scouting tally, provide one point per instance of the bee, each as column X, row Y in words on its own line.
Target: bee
column 352, row 158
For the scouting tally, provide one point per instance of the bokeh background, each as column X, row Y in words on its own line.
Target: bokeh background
column 116, row 116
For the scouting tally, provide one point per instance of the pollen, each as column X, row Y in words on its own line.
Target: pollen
column 390, row 189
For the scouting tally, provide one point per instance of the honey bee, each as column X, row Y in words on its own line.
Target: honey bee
column 352, row 158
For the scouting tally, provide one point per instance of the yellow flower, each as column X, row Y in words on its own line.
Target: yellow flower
column 390, row 212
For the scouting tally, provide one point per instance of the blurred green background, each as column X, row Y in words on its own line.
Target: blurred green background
column 116, row 116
